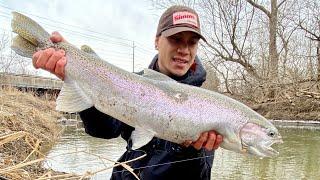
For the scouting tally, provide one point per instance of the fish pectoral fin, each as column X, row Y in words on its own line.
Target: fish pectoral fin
column 72, row 99
column 141, row 137
column 232, row 141
column 152, row 74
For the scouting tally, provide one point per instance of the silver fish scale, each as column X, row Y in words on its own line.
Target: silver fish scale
column 158, row 104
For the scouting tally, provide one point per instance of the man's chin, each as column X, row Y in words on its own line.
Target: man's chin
column 178, row 72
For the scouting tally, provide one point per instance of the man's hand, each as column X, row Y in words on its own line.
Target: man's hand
column 50, row 59
column 209, row 140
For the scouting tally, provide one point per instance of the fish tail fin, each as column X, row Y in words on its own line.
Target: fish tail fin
column 32, row 35
column 23, row 47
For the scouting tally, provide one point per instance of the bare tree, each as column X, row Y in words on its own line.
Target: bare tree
column 223, row 20
column 230, row 24
column 212, row 81
column 309, row 21
column 5, row 62
column 272, row 15
column 256, row 44
column 10, row 62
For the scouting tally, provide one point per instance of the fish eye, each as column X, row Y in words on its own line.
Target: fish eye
column 271, row 133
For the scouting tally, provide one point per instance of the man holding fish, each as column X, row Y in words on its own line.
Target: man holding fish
column 177, row 39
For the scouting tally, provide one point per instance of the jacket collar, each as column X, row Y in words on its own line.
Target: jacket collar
column 195, row 76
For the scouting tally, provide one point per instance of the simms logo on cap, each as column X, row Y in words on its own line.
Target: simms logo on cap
column 185, row 17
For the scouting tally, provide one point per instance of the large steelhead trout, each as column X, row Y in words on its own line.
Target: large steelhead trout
column 153, row 103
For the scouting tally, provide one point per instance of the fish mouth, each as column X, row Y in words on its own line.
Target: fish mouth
column 271, row 152
column 267, row 149
column 263, row 150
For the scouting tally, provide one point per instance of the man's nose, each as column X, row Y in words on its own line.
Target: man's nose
column 183, row 48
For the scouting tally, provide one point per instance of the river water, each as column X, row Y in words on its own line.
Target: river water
column 299, row 157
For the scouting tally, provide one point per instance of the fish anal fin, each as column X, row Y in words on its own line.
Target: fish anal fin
column 140, row 137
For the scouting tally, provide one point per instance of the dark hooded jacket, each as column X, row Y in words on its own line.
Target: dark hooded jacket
column 164, row 160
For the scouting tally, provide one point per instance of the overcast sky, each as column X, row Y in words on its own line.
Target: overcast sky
column 108, row 26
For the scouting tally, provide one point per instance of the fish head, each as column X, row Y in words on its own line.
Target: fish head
column 257, row 139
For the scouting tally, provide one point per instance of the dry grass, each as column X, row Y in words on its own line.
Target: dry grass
column 28, row 129
column 300, row 101
column 298, row 108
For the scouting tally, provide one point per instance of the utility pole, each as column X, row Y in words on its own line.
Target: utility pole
column 133, row 46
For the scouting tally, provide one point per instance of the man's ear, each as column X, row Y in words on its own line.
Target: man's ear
column 156, row 42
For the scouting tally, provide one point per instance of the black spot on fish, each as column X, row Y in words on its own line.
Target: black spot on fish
column 170, row 118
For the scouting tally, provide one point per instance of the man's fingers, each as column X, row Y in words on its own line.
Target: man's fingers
column 218, row 141
column 57, row 37
column 51, row 64
column 59, row 69
column 209, row 140
column 201, row 140
column 35, row 58
column 186, row 143
column 43, row 58
column 212, row 137
column 50, row 60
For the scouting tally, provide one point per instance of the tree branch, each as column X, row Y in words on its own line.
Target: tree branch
column 248, row 67
column 281, row 3
column 263, row 9
column 317, row 37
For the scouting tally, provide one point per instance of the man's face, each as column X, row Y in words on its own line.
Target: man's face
column 177, row 52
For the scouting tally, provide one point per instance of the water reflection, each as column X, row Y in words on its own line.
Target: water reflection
column 76, row 152
column 299, row 157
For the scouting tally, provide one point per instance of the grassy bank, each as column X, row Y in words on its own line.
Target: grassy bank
column 28, row 129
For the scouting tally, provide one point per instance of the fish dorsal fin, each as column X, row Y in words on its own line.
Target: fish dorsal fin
column 140, row 137
column 88, row 50
column 152, row 74
column 72, row 99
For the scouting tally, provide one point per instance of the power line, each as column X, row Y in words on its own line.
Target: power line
column 5, row 16
column 117, row 52
column 74, row 32
column 144, row 52
column 144, row 47
column 105, row 54
column 79, row 27
column 114, row 54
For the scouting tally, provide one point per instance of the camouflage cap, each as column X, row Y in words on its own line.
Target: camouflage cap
column 178, row 19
